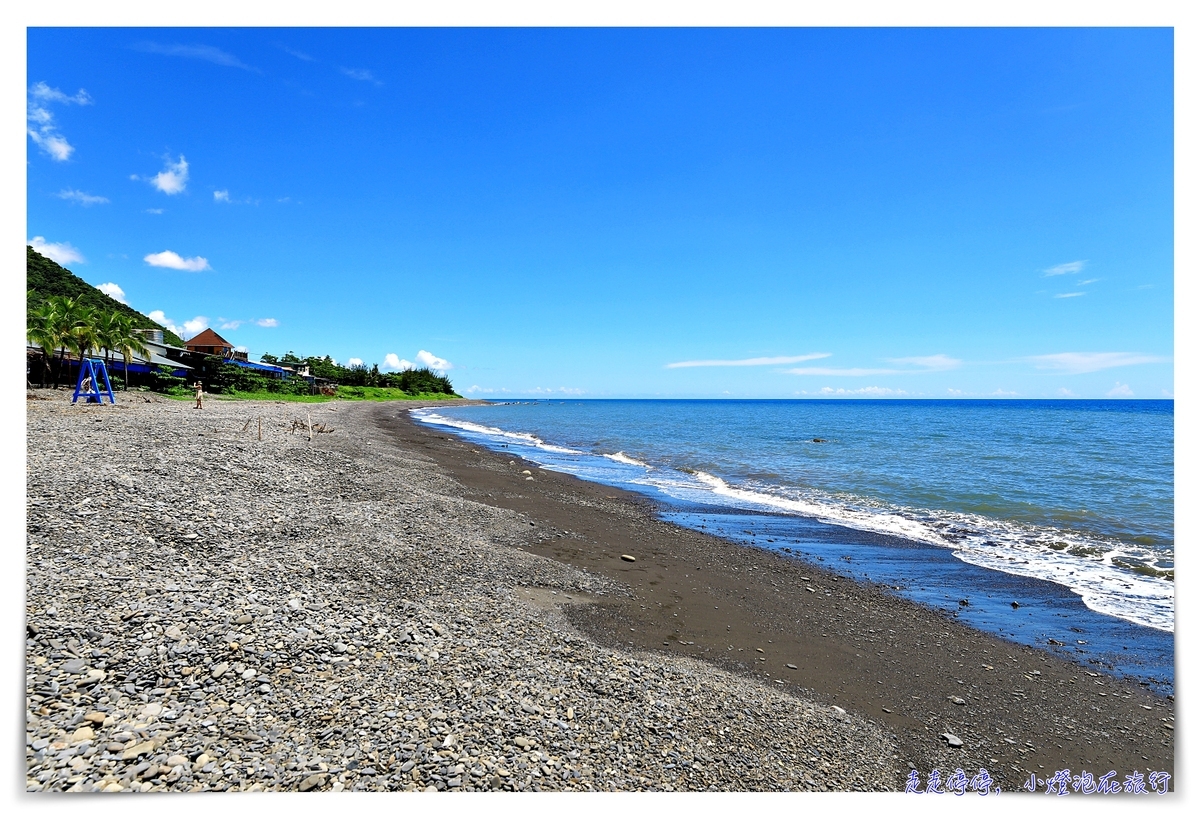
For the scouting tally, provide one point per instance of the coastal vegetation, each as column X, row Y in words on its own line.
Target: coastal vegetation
column 60, row 324
column 66, row 315
column 46, row 279
column 423, row 381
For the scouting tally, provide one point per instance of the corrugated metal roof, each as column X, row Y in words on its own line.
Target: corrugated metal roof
column 137, row 359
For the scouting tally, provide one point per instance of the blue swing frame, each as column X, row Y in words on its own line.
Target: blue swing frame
column 94, row 368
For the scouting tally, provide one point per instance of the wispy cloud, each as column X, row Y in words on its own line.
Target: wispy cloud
column 113, row 291
column 360, row 74
column 1087, row 281
column 932, row 363
column 220, row 195
column 778, row 361
column 914, row 365
column 61, row 252
column 866, row 391
column 394, row 361
column 207, row 53
column 173, row 261
column 300, row 55
column 1121, row 390
column 1069, row 295
column 433, row 362
column 157, row 211
column 1064, row 269
column 41, row 128
column 266, row 322
column 853, row 372
column 223, row 323
column 79, row 197
column 43, row 92
column 1000, row 393
column 1077, row 363
column 1066, row 393
column 186, row 330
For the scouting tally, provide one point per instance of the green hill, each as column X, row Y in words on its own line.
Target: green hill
column 44, row 278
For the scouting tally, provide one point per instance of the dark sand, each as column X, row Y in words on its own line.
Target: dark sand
column 855, row 646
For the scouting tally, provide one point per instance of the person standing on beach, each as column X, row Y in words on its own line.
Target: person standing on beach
column 199, row 396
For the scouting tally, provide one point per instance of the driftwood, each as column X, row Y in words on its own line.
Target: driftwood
column 310, row 427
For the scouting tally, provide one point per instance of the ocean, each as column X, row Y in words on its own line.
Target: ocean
column 1048, row 523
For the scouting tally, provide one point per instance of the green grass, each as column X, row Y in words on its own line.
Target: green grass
column 280, row 396
column 344, row 393
column 387, row 393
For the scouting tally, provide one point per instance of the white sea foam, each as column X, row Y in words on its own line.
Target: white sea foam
column 1079, row 562
column 429, row 416
column 1011, row 547
column 621, row 457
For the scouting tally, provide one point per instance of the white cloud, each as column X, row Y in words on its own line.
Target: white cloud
column 173, row 261
column 786, row 359
column 849, row 373
column 112, row 291
column 157, row 211
column 1121, row 390
column 934, row 363
column 187, row 330
column 229, row 324
column 1064, row 269
column 207, row 53
column 61, row 252
column 220, row 195
column 266, row 322
column 562, row 390
column 1077, row 363
column 56, row 145
column 1069, row 295
column 394, row 361
column 43, row 131
column 173, row 177
column 483, row 390
column 353, row 362
column 242, row 348
column 870, row 391
column 1066, row 393
column 300, row 55
column 433, row 362
column 360, row 74
column 955, row 392
column 78, row 196
column 1000, row 393
column 1087, row 281
column 42, row 91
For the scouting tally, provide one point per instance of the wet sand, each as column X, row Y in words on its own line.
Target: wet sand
column 915, row 671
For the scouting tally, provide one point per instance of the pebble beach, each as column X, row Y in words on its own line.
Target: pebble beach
column 311, row 607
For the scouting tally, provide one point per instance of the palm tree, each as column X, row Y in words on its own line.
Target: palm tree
column 42, row 330
column 129, row 343
column 109, row 328
column 65, row 317
column 82, row 337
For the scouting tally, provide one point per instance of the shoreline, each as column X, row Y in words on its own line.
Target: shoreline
column 211, row 611
column 853, row 645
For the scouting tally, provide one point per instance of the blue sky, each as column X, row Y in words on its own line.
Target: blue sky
column 631, row 212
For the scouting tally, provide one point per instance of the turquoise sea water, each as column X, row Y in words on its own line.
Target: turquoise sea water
column 1065, row 507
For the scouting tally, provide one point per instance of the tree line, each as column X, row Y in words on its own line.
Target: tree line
column 61, row 324
column 422, row 381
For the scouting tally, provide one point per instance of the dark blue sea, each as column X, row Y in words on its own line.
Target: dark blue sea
column 1064, row 507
